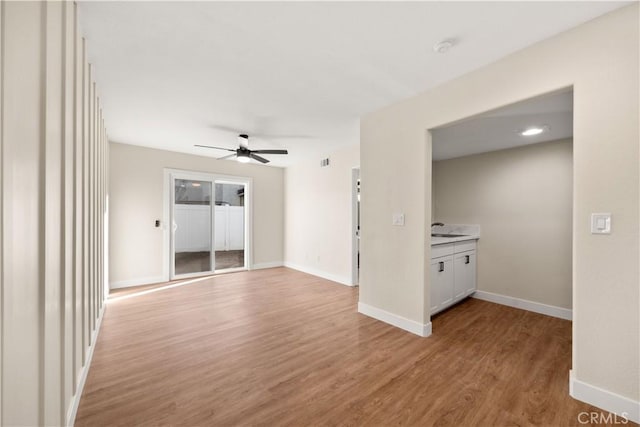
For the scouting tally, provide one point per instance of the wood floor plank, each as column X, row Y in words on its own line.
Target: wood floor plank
column 279, row 347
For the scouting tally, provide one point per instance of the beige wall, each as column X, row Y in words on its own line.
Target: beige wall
column 600, row 60
column 53, row 212
column 318, row 215
column 522, row 199
column 136, row 201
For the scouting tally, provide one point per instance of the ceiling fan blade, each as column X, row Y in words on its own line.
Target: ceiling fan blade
column 217, row 148
column 226, row 157
column 258, row 158
column 270, row 151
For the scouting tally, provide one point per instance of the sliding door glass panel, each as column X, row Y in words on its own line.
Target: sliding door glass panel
column 192, row 225
column 229, row 226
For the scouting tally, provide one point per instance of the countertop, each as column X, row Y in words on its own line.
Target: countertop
column 470, row 231
column 443, row 240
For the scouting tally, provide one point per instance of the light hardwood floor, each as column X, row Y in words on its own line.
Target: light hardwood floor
column 280, row 347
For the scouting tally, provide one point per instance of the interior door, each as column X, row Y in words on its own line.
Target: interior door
column 193, row 225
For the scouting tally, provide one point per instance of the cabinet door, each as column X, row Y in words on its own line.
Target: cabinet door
column 441, row 283
column 471, row 273
column 464, row 275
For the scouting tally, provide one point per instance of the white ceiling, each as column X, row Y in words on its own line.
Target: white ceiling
column 168, row 73
column 499, row 129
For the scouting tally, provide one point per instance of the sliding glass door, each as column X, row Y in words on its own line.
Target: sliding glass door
column 208, row 224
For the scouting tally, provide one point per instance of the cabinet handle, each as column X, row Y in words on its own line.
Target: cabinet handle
column 440, row 266
column 466, row 259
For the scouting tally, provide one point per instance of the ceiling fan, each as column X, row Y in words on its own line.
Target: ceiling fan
column 242, row 153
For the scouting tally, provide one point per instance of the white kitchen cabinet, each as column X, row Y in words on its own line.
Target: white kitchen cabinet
column 441, row 283
column 453, row 273
column 464, row 271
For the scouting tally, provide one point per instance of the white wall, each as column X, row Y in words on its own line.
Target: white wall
column 318, row 215
column 600, row 60
column 53, row 212
column 136, row 201
column 522, row 199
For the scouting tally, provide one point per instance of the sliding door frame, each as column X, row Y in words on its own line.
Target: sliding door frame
column 168, row 263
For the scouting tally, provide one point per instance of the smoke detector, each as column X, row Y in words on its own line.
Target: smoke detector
column 443, row 46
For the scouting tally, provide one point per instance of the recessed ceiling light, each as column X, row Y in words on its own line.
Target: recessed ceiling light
column 443, row 46
column 533, row 130
column 195, row 184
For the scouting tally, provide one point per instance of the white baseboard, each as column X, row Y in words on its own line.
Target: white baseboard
column 536, row 307
column 137, row 282
column 72, row 411
column 423, row 330
column 315, row 272
column 623, row 407
column 262, row 265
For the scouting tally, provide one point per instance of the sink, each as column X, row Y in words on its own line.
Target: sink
column 447, row 235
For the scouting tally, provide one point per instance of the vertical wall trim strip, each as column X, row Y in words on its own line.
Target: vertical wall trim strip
column 52, row 211
column 85, row 202
column 68, row 285
column 62, row 296
column 77, row 211
column 2, row 168
column 41, row 204
column 90, row 212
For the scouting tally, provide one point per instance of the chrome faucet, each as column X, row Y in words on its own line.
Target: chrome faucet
column 437, row 223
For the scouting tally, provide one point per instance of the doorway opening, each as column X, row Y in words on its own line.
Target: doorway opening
column 505, row 176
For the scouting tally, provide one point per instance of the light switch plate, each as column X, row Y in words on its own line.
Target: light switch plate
column 397, row 219
column 600, row 223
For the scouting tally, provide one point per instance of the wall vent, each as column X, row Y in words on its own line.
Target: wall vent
column 324, row 162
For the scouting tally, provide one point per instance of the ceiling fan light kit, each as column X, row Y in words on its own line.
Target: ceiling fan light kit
column 243, row 157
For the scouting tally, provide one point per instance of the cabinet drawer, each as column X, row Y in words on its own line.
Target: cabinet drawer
column 467, row 245
column 442, row 250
